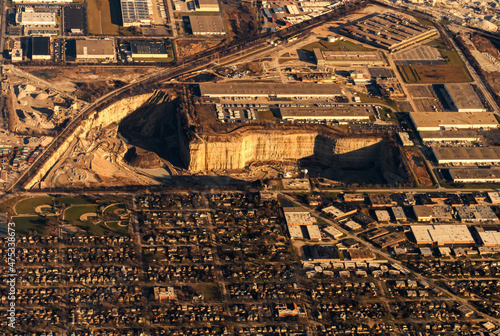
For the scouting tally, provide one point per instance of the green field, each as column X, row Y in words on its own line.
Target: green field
column 30, row 224
column 28, row 206
column 99, row 17
column 335, row 46
column 72, row 214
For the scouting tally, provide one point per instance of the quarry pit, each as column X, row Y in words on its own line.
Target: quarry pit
column 145, row 139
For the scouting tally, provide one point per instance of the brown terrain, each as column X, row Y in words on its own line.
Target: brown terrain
column 190, row 47
column 418, row 167
column 484, row 45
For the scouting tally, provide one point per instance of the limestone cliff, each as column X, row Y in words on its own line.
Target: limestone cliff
column 236, row 151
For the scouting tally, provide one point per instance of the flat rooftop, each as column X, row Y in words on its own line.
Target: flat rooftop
column 451, row 135
column 478, row 174
column 88, row 48
column 439, row 120
column 348, row 56
column 419, row 53
column 464, row 97
column 389, row 30
column 207, row 24
column 442, row 234
column 348, row 112
column 148, row 47
column 40, row 45
column 467, row 154
column 271, row 89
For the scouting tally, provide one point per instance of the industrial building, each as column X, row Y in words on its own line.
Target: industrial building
column 442, row 234
column 467, row 155
column 464, row 98
column 475, row 175
column 135, row 13
column 148, row 49
column 435, row 121
column 450, row 136
column 207, row 5
column 275, row 90
column 476, row 214
column 347, row 58
column 36, row 19
column 390, row 31
column 425, row 213
column 298, row 216
column 95, row 49
column 419, row 55
column 488, row 238
column 321, row 252
column 207, row 25
column 347, row 113
column 494, row 197
column 40, row 48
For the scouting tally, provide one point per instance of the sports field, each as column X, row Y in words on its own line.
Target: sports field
column 103, row 17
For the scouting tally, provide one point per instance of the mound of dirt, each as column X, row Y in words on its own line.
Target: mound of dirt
column 141, row 158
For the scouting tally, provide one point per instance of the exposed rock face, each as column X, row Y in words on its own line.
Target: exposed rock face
column 236, row 151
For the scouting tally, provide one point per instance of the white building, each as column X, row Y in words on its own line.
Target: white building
column 36, row 19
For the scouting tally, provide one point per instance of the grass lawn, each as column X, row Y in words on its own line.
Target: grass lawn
column 67, row 201
column 28, row 206
column 25, row 224
column 111, row 209
column 73, row 213
column 117, row 228
column 99, row 17
column 371, row 100
column 335, row 46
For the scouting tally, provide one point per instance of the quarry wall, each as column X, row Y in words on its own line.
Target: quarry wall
column 237, row 151
column 103, row 118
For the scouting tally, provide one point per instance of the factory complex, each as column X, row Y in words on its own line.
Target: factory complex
column 246, row 91
column 347, row 58
column 135, row 12
column 338, row 113
column 390, row 31
column 442, row 234
column 474, row 175
column 102, row 49
column 467, row 155
column 432, row 121
column 206, row 25
column 464, row 98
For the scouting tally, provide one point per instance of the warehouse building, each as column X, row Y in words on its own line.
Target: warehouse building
column 148, row 49
column 476, row 214
column 488, row 238
column 450, row 136
column 36, row 19
column 275, row 90
column 464, row 98
column 207, row 25
column 433, row 121
column 135, row 13
column 418, row 55
column 40, row 48
column 475, row 175
column 298, row 216
column 95, row 49
column 347, row 58
column 467, row 155
column 347, row 113
column 442, row 234
column 391, row 31
column 208, row 5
